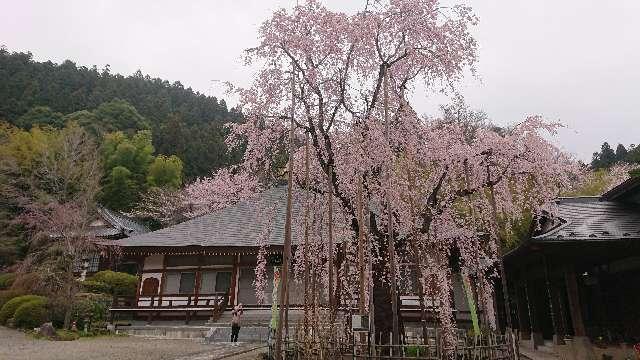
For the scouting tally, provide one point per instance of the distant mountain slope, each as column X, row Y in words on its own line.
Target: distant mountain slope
column 184, row 122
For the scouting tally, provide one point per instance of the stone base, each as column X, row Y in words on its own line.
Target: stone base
column 533, row 342
column 558, row 340
column 537, row 339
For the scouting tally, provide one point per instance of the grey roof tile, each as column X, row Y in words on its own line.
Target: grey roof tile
column 590, row 219
column 240, row 224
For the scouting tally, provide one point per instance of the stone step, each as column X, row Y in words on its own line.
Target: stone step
column 246, row 334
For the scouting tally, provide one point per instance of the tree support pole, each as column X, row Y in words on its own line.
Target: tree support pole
column 395, row 335
column 286, row 257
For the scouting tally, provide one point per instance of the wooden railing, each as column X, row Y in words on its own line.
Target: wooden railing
column 181, row 300
column 155, row 305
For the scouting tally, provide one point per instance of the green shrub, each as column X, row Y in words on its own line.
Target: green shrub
column 6, row 295
column 9, row 309
column 117, row 283
column 6, row 280
column 95, row 287
column 91, row 308
column 31, row 314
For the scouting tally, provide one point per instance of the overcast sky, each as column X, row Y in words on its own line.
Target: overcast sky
column 576, row 61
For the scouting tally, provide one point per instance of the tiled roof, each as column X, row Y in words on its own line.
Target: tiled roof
column 237, row 225
column 591, row 219
column 119, row 224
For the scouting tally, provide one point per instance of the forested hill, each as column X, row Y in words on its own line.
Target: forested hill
column 183, row 122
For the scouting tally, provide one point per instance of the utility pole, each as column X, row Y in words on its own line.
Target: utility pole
column 391, row 248
column 286, row 257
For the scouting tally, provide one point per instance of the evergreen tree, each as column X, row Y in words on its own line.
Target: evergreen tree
column 605, row 158
column 621, row 153
column 41, row 116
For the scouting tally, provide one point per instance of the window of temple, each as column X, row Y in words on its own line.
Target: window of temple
column 187, row 282
column 172, row 283
column 223, row 281
column 208, row 282
column 215, row 282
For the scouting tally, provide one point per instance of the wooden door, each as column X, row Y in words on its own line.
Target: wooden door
column 150, row 286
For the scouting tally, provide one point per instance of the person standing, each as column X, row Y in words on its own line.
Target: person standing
column 236, row 314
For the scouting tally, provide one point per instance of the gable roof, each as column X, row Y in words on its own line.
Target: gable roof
column 592, row 219
column 241, row 224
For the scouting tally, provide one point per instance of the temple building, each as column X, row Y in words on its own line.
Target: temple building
column 204, row 265
column 574, row 282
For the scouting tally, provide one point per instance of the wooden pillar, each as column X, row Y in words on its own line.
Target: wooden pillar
column 573, row 295
column 523, row 315
column 233, row 291
column 560, row 303
column 140, row 262
column 534, row 312
column 163, row 278
column 581, row 345
column 558, row 335
column 198, row 280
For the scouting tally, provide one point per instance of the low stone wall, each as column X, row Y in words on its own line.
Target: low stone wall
column 212, row 334
column 170, row 332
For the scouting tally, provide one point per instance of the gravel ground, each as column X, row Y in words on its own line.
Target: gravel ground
column 15, row 345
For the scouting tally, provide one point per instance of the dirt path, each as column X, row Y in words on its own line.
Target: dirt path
column 15, row 345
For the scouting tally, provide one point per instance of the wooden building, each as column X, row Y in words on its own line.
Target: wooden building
column 576, row 281
column 208, row 263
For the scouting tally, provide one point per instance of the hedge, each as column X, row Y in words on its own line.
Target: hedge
column 117, row 283
column 6, row 280
column 31, row 314
column 9, row 309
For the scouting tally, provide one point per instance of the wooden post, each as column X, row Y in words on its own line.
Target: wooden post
column 558, row 336
column 417, row 259
column 503, row 274
column 305, row 255
column 574, row 301
column 534, row 312
column 391, row 248
column 233, row 299
column 523, row 317
column 287, row 227
column 140, row 271
column 330, row 256
column 163, row 278
column 361, row 240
